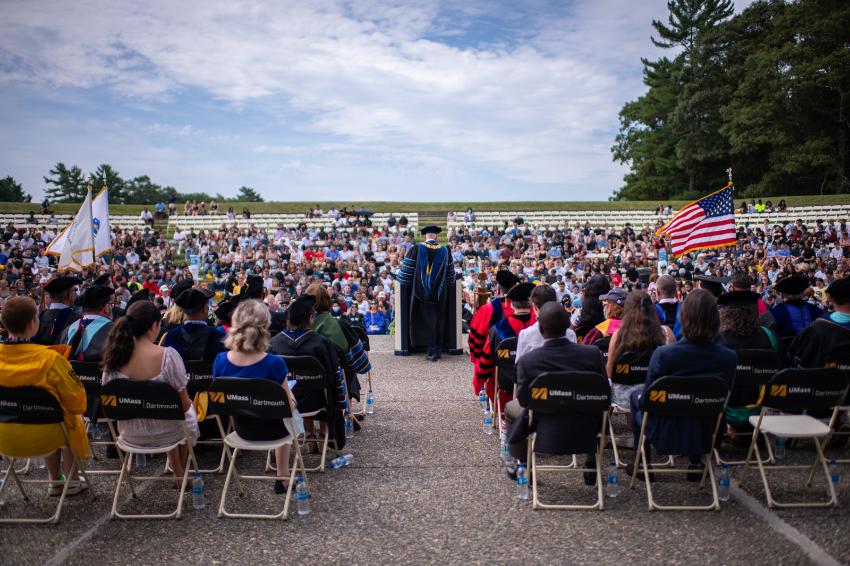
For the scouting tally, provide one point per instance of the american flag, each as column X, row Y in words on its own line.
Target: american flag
column 706, row 223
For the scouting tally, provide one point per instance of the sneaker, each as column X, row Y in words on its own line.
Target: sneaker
column 630, row 469
column 54, row 488
column 695, row 476
column 279, row 487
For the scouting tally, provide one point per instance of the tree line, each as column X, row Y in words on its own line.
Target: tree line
column 69, row 184
column 765, row 92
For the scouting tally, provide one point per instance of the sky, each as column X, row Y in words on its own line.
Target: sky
column 345, row 100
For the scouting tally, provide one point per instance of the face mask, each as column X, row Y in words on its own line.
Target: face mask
column 336, row 309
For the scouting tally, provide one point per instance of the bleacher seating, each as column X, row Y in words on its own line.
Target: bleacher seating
column 272, row 221
column 57, row 222
column 640, row 218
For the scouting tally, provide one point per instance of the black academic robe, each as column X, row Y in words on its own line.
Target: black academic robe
column 427, row 299
column 52, row 323
column 821, row 342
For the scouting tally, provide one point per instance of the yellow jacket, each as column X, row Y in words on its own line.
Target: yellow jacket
column 39, row 366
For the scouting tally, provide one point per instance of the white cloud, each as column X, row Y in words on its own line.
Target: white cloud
column 541, row 110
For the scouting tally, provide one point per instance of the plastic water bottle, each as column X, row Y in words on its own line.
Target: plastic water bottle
column 612, row 487
column 198, row 491
column 779, row 448
column 833, row 474
column 723, row 483
column 488, row 421
column 507, row 459
column 370, row 403
column 140, row 460
column 39, row 464
column 522, row 483
column 341, row 461
column 302, row 496
column 349, row 425
column 482, row 399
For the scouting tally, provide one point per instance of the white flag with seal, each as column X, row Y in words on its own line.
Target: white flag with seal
column 78, row 249
column 100, row 225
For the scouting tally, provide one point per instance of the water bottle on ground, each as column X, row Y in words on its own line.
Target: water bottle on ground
column 302, row 496
column 522, row 483
column 341, row 461
column 488, row 421
column 39, row 464
column 349, row 425
column 370, row 403
column 140, row 460
column 833, row 474
column 198, row 492
column 779, row 448
column 723, row 483
column 612, row 487
column 482, row 399
column 507, row 459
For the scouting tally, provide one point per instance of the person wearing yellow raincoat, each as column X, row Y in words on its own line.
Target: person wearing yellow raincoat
column 25, row 364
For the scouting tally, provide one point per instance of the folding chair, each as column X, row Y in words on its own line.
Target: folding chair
column 311, row 394
column 629, row 369
column 23, row 407
column 504, row 359
column 125, row 399
column 679, row 398
column 90, row 375
column 364, row 338
column 259, row 399
column 755, row 368
column 798, row 390
column 841, row 361
column 584, row 395
column 200, row 378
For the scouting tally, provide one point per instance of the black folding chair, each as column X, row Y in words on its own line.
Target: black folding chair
column 795, row 391
column 90, row 375
column 311, row 394
column 20, row 409
column 841, row 361
column 258, row 399
column 504, row 358
column 682, row 397
column 126, row 399
column 200, row 377
column 754, row 370
column 360, row 332
column 629, row 369
column 563, row 393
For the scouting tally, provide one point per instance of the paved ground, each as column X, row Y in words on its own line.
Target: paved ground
column 426, row 487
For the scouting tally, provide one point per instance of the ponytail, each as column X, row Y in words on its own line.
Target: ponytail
column 121, row 344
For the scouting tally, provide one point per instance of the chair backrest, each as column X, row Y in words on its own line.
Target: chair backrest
column 504, row 357
column 257, row 398
column 200, row 376
column 29, row 405
column 307, row 371
column 678, row 396
column 755, row 368
column 122, row 399
column 631, row 367
column 800, row 389
column 839, row 359
column 90, row 375
column 570, row 392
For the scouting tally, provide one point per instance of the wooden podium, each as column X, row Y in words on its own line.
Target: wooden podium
column 401, row 341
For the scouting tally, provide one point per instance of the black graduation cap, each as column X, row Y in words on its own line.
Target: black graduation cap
column 520, row 292
column 61, row 284
column 506, row 279
column 712, row 284
column 193, row 299
column 839, row 291
column 95, row 297
column 253, row 287
column 300, row 309
column 142, row 295
column 104, row 281
column 738, row 298
column 179, row 287
column 792, row 285
column 430, row 229
column 225, row 309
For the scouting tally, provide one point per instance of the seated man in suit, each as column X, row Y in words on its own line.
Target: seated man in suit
column 557, row 353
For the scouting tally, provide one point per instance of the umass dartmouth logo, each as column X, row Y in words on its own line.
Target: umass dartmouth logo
column 658, row 396
column 503, row 353
column 623, row 368
column 779, row 391
column 540, row 393
column 217, row 396
column 109, row 400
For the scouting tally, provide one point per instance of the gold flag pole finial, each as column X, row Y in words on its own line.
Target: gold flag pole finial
column 729, row 172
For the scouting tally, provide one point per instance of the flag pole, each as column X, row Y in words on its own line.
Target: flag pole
column 737, row 251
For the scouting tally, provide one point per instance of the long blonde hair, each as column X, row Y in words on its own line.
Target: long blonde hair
column 249, row 331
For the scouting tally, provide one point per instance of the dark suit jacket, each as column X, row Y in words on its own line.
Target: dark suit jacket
column 685, row 435
column 558, row 434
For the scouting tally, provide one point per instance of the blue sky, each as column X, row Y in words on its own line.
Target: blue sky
column 326, row 100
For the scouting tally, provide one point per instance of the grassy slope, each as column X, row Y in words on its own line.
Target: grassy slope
column 433, row 207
